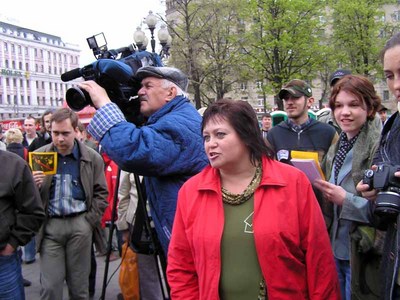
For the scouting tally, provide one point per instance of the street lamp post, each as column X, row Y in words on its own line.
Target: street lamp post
column 140, row 38
column 151, row 22
column 165, row 40
column 163, row 35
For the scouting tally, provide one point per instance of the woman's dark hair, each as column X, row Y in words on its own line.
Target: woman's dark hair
column 360, row 87
column 46, row 112
column 63, row 114
column 242, row 117
column 392, row 42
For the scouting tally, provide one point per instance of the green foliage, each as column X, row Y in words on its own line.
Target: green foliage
column 205, row 46
column 219, row 43
column 220, row 59
column 283, row 42
column 359, row 32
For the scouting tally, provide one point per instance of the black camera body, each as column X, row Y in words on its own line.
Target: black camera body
column 115, row 75
column 388, row 187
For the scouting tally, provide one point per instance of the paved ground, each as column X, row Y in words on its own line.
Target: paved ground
column 31, row 272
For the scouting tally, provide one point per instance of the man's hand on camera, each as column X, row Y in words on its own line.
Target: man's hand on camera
column 365, row 191
column 97, row 93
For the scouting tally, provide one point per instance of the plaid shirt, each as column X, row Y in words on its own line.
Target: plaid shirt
column 105, row 118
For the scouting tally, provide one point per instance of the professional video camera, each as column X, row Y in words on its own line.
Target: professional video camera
column 113, row 70
column 388, row 186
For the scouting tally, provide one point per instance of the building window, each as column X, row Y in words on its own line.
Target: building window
column 6, row 63
column 260, row 100
column 385, row 95
column 243, row 86
column 29, row 100
column 396, row 15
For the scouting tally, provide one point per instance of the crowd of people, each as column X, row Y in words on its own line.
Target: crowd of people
column 210, row 204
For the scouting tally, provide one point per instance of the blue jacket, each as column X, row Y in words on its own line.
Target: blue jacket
column 167, row 151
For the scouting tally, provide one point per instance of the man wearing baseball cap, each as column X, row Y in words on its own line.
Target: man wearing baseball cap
column 327, row 117
column 299, row 132
column 337, row 75
column 167, row 150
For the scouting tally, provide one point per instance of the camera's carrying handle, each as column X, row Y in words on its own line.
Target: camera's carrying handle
column 151, row 246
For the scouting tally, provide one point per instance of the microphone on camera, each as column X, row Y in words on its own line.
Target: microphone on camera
column 71, row 75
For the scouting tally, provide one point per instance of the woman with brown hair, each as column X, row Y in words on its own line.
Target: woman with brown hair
column 354, row 103
column 247, row 226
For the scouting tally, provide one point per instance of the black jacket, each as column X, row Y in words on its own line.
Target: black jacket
column 316, row 136
column 389, row 151
column 39, row 141
column 21, row 209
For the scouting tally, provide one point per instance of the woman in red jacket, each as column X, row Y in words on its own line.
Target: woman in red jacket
column 247, row 227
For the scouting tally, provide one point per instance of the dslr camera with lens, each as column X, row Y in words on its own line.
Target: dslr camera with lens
column 388, row 187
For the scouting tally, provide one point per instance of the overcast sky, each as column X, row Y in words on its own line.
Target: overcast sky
column 75, row 20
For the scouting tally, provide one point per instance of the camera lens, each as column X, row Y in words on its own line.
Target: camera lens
column 77, row 99
column 387, row 204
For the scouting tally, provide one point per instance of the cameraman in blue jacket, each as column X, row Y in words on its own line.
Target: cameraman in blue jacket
column 167, row 150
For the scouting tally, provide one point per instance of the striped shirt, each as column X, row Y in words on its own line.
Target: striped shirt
column 66, row 193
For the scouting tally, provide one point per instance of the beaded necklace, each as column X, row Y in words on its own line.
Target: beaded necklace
column 236, row 199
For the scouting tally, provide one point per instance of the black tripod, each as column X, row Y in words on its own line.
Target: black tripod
column 110, row 235
column 143, row 238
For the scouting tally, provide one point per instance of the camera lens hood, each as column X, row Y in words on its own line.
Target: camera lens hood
column 387, row 204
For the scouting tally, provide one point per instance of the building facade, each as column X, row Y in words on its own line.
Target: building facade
column 31, row 64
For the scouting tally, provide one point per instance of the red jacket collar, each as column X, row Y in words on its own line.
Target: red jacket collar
column 272, row 175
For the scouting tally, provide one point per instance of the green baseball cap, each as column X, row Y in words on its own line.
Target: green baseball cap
column 296, row 88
